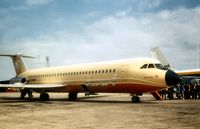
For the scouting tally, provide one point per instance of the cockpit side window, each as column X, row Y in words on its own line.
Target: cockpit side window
column 144, row 66
column 151, row 66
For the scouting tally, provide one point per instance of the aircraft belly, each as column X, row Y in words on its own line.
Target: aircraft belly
column 117, row 86
column 124, row 88
column 109, row 88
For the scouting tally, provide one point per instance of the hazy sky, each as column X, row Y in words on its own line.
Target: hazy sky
column 79, row 31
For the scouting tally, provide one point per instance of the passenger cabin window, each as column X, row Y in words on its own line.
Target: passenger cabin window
column 151, row 66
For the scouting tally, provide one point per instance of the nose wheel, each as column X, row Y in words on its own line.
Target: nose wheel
column 135, row 99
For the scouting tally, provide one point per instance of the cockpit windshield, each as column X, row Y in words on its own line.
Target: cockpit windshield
column 144, row 66
column 158, row 66
column 151, row 66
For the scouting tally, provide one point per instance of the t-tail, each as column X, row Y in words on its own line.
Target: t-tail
column 18, row 62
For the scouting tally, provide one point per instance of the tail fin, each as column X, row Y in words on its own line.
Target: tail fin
column 157, row 54
column 18, row 62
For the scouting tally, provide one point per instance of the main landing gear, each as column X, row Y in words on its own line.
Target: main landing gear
column 44, row 96
column 135, row 99
column 26, row 91
column 72, row 96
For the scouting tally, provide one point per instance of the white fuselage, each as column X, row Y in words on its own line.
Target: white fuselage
column 122, row 76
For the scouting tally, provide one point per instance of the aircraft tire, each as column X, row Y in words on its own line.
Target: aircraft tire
column 72, row 96
column 135, row 99
column 44, row 96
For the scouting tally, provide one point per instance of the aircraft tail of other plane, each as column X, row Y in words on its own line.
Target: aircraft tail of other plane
column 18, row 62
column 158, row 54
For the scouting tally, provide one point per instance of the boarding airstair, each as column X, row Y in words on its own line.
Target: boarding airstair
column 157, row 95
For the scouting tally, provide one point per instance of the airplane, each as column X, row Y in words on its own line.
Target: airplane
column 134, row 76
column 186, row 75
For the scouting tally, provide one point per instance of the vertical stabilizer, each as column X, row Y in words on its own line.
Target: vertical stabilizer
column 18, row 62
column 157, row 54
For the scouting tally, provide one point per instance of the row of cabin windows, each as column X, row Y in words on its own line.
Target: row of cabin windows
column 75, row 73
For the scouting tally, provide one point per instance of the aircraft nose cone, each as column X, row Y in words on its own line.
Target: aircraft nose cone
column 171, row 78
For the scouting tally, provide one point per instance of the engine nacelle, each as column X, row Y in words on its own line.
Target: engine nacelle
column 18, row 80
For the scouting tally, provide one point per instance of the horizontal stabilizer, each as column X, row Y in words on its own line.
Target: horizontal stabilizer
column 17, row 55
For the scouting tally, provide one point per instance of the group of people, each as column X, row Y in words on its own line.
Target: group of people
column 182, row 91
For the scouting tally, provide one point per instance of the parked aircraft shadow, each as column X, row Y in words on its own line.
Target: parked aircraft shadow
column 17, row 99
column 115, row 101
column 86, row 99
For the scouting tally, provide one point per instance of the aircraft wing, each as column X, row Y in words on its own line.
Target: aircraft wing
column 189, row 73
column 32, row 86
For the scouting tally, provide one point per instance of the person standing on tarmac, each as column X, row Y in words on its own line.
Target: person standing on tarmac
column 198, row 89
column 186, row 92
column 192, row 91
column 163, row 94
column 195, row 90
column 182, row 90
column 170, row 92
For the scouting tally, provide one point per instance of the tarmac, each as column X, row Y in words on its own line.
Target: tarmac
column 103, row 111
